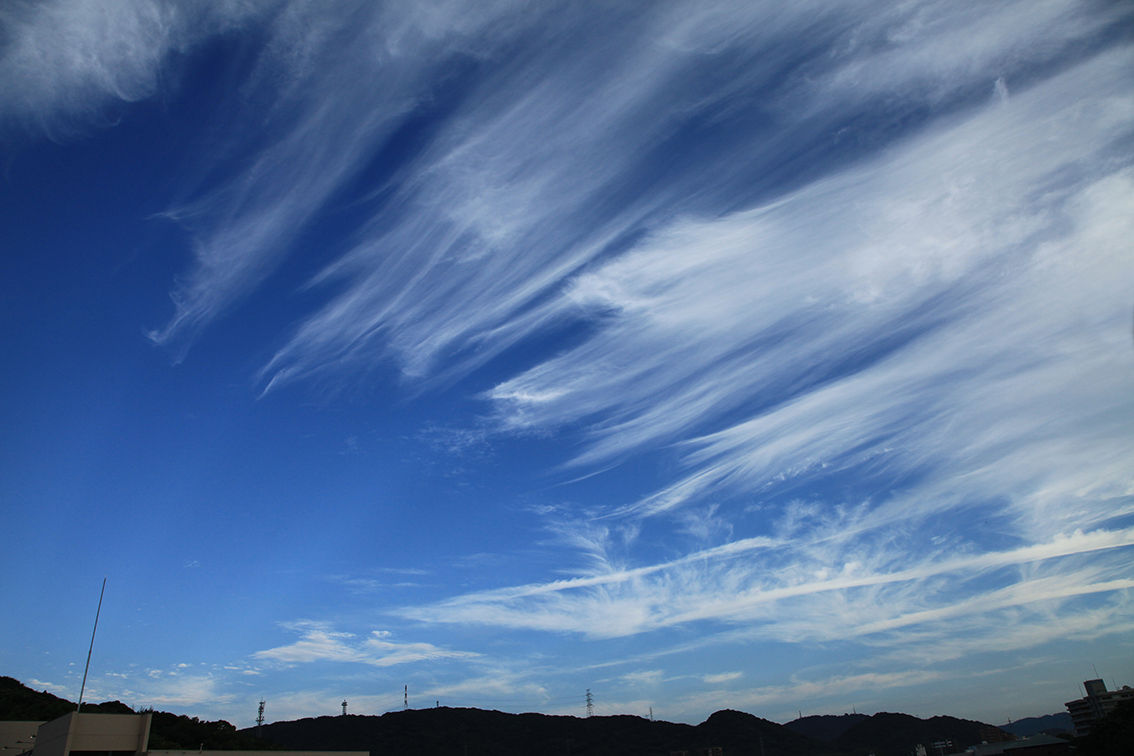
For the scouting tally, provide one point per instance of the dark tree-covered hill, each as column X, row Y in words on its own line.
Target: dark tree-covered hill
column 1113, row 735
column 476, row 732
column 740, row 733
column 889, row 734
column 447, row 730
column 20, row 703
column 175, row 731
column 1049, row 723
column 825, row 727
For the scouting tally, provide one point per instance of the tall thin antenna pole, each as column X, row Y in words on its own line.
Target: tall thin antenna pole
column 405, row 697
column 89, row 650
column 590, row 703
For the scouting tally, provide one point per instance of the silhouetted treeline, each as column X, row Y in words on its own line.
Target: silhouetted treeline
column 173, row 731
column 476, row 732
column 444, row 730
column 888, row 734
column 1051, row 724
column 19, row 702
column 1113, row 736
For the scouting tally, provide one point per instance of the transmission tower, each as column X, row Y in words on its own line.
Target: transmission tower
column 590, row 704
column 405, row 697
column 344, row 708
column 259, row 719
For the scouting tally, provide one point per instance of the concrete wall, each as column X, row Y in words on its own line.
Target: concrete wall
column 104, row 733
column 93, row 732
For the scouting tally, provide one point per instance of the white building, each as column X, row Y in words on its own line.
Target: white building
column 1096, row 704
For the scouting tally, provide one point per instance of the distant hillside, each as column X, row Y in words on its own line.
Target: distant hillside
column 740, row 733
column 20, row 703
column 1022, row 728
column 175, row 731
column 447, row 730
column 887, row 734
column 825, row 727
column 444, row 730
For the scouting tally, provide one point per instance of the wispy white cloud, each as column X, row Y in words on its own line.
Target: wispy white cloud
column 391, row 579
column 835, row 333
column 56, row 688
column 947, row 310
column 1024, row 626
column 244, row 229
column 704, row 588
column 936, row 48
column 974, row 276
column 711, row 314
column 1023, row 592
column 64, row 61
column 643, row 677
column 319, row 643
column 387, row 652
column 529, row 180
column 200, row 687
column 186, row 690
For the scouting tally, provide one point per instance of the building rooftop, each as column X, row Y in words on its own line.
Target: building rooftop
column 89, row 734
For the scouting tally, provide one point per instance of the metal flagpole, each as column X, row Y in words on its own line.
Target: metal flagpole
column 89, row 650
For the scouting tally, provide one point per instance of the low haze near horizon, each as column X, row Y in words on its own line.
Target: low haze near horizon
column 754, row 355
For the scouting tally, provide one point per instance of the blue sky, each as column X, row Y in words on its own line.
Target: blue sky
column 704, row 355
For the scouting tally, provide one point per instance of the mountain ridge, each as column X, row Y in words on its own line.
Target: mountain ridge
column 445, row 730
column 1047, row 723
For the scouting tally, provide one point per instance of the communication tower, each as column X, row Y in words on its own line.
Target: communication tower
column 590, row 704
column 259, row 719
column 344, row 708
